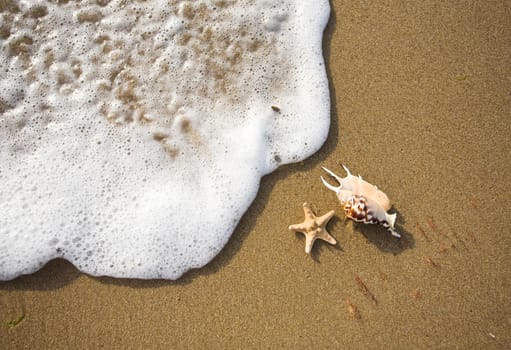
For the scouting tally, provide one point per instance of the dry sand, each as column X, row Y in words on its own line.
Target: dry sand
column 422, row 107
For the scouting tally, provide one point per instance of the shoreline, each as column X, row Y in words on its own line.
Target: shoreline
column 402, row 118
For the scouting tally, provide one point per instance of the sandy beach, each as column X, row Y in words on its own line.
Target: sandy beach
column 421, row 107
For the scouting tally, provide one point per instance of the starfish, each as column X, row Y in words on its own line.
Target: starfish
column 313, row 227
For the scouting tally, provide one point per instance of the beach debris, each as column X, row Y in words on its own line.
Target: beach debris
column 314, row 227
column 275, row 109
column 432, row 224
column 416, row 293
column 15, row 322
column 362, row 201
column 352, row 309
column 423, row 233
column 436, row 229
column 363, row 288
column 431, row 262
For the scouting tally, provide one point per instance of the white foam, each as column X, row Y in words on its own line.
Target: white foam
column 134, row 134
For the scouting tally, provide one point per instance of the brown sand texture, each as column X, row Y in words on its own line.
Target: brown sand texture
column 421, row 106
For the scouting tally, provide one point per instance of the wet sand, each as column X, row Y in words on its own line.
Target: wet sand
column 421, row 106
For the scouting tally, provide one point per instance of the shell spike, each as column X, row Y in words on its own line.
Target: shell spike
column 332, row 174
column 346, row 169
column 394, row 233
column 391, row 218
column 330, row 187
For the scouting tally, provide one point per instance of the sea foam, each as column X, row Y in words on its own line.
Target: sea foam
column 134, row 134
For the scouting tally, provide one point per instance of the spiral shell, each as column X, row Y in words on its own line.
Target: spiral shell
column 362, row 201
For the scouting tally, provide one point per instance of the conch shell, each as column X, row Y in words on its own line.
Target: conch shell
column 362, row 201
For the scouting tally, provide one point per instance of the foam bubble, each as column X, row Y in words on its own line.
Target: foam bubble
column 134, row 134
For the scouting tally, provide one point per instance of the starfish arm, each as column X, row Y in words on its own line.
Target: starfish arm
column 307, row 211
column 326, row 237
column 309, row 242
column 298, row 228
column 324, row 219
